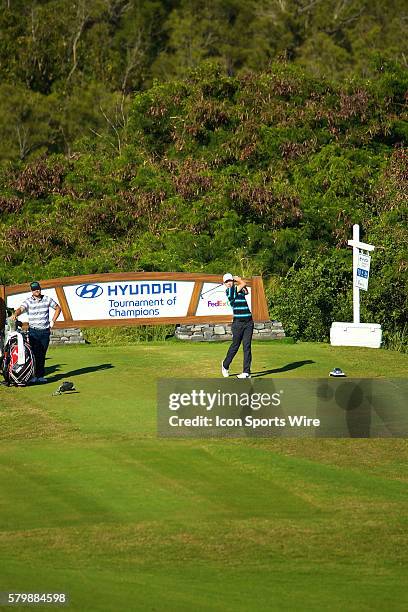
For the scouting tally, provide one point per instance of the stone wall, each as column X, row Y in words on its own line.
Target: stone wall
column 218, row 332
column 206, row 332
column 66, row 336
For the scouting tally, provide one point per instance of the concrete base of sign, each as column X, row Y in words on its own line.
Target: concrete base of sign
column 356, row 334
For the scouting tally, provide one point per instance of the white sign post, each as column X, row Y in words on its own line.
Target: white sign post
column 357, row 246
column 356, row 333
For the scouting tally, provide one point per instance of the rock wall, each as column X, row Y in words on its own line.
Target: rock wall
column 219, row 332
column 66, row 336
column 206, row 332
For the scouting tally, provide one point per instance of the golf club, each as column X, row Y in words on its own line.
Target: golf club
column 209, row 290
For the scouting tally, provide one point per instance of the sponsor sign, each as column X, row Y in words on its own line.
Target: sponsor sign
column 363, row 271
column 139, row 298
column 213, row 300
column 129, row 299
column 136, row 299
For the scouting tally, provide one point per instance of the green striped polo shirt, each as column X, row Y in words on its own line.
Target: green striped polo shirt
column 238, row 303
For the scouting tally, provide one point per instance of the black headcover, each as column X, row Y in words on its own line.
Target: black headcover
column 65, row 386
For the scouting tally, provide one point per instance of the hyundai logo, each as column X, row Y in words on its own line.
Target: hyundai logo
column 89, row 291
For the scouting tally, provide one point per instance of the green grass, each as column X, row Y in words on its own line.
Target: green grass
column 92, row 503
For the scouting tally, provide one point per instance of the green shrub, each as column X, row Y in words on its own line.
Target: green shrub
column 313, row 294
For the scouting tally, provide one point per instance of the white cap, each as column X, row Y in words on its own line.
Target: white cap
column 227, row 277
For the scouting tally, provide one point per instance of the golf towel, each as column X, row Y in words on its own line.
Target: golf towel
column 20, row 346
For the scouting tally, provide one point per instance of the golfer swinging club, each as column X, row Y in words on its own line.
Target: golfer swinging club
column 242, row 325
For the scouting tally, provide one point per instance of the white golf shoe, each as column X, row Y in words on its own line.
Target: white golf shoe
column 224, row 371
column 244, row 375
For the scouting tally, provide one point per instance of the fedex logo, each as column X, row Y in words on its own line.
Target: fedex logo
column 218, row 303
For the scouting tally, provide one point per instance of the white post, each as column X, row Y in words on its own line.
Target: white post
column 356, row 333
column 356, row 290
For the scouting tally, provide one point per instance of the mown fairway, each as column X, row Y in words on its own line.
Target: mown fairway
column 93, row 504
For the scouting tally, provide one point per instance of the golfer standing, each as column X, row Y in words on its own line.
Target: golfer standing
column 242, row 325
column 38, row 307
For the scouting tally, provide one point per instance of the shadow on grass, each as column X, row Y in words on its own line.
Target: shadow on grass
column 53, row 374
column 286, row 368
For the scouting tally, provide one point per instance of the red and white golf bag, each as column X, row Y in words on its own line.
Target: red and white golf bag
column 17, row 363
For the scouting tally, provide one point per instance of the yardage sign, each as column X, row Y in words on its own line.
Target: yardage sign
column 363, row 271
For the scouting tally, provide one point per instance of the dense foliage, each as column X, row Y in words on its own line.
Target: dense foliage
column 259, row 173
column 68, row 69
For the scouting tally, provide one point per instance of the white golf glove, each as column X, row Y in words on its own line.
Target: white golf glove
column 51, row 324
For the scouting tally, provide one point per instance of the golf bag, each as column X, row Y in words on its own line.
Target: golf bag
column 17, row 363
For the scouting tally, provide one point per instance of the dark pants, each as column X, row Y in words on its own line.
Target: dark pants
column 241, row 332
column 39, row 341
